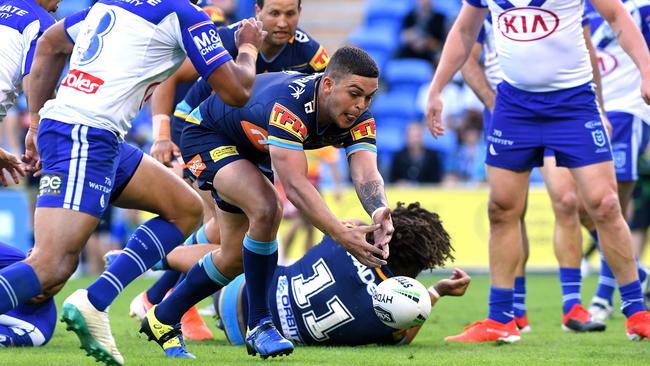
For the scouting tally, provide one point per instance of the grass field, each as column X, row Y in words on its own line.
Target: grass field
column 546, row 345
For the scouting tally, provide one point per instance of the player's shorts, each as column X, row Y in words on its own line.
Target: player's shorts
column 232, row 308
column 206, row 151
column 487, row 122
column 566, row 121
column 177, row 125
column 629, row 140
column 130, row 158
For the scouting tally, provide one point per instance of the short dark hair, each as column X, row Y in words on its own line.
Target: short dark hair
column 419, row 242
column 260, row 3
column 350, row 60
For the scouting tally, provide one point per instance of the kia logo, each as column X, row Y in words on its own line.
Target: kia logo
column 606, row 62
column 527, row 24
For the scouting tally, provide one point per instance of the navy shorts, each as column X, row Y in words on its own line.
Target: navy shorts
column 566, row 121
column 205, row 152
column 629, row 140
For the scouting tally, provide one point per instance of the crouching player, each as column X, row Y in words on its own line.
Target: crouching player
column 30, row 324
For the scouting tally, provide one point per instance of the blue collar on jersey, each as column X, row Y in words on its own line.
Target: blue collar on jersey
column 505, row 4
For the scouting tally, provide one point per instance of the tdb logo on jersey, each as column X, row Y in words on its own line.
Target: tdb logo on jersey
column 527, row 24
column 207, row 41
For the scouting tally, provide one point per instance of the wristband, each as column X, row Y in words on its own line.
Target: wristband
column 161, row 126
column 433, row 292
column 372, row 216
column 249, row 49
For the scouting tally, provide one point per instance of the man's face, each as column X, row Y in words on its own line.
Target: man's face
column 280, row 19
column 348, row 97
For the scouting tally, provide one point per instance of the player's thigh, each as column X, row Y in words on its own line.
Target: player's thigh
column 508, row 191
column 560, row 186
column 183, row 257
column 596, row 184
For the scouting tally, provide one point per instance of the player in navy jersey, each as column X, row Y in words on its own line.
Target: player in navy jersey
column 30, row 324
column 229, row 152
column 85, row 162
column 21, row 24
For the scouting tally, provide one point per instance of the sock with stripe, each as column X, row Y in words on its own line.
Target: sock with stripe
column 156, row 293
column 260, row 260
column 197, row 237
column 570, row 280
column 631, row 298
column 18, row 283
column 149, row 243
column 520, row 297
column 202, row 280
column 501, row 302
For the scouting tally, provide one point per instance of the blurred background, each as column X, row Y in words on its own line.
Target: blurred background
column 446, row 174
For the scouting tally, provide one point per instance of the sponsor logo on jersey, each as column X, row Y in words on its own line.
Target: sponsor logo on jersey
column 607, row 62
column 364, row 130
column 50, row 185
column 283, row 118
column 297, row 91
column 81, row 81
column 223, row 152
column 527, row 24
column 285, row 312
column 9, row 10
column 196, row 165
column 365, row 274
column 599, row 138
column 593, row 124
column 207, row 41
column 320, row 59
column 256, row 135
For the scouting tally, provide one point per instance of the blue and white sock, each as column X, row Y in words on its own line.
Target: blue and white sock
column 520, row 297
column 571, row 280
column 202, row 280
column 260, row 261
column 631, row 298
column 149, row 243
column 501, row 301
column 18, row 283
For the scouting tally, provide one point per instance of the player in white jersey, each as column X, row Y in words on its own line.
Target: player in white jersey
column 21, row 23
column 553, row 106
column 122, row 49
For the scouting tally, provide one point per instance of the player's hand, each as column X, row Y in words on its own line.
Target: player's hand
column 164, row 150
column 433, row 111
column 250, row 31
column 11, row 164
column 384, row 233
column 353, row 239
column 456, row 285
column 31, row 158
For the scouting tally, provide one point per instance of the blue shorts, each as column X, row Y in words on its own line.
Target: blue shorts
column 206, row 151
column 177, row 125
column 566, row 121
column 487, row 122
column 84, row 168
column 629, row 141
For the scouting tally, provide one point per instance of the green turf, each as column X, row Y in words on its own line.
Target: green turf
column 546, row 345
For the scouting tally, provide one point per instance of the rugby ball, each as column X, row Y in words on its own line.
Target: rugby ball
column 401, row 302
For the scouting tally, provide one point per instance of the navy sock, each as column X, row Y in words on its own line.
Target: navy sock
column 149, row 243
column 519, row 304
column 18, row 283
column 156, row 293
column 260, row 261
column 631, row 298
column 501, row 300
column 202, row 280
column 571, row 280
column 642, row 272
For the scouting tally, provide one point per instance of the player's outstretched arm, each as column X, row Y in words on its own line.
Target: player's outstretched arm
column 630, row 38
column 458, row 46
column 370, row 189
column 291, row 168
column 474, row 76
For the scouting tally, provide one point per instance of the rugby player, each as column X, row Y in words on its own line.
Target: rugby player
column 85, row 163
column 548, row 108
column 229, row 152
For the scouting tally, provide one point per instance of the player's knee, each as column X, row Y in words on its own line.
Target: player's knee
column 607, row 208
column 566, row 204
column 267, row 215
column 499, row 212
column 189, row 213
column 52, row 277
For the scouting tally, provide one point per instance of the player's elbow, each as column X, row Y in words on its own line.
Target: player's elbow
column 238, row 97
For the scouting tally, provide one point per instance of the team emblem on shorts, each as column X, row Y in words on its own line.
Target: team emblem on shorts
column 50, row 185
column 599, row 138
column 619, row 159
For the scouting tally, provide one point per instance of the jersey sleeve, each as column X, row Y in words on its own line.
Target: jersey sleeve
column 201, row 41
column 31, row 33
column 477, row 3
column 481, row 35
column 286, row 128
column 362, row 135
column 227, row 35
column 72, row 24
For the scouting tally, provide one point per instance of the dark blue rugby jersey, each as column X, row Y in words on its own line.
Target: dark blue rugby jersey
column 326, row 298
column 282, row 111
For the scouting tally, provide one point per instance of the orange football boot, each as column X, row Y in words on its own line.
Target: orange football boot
column 193, row 326
column 522, row 324
column 638, row 326
column 488, row 330
column 578, row 319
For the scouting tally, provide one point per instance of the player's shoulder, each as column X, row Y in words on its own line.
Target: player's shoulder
column 155, row 11
column 22, row 13
column 310, row 50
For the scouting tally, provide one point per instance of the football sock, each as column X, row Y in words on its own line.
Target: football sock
column 260, row 261
column 501, row 300
column 149, row 243
column 520, row 297
column 631, row 298
column 156, row 293
column 570, row 279
column 201, row 281
column 18, row 283
column 197, row 237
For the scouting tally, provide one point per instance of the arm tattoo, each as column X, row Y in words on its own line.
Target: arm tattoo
column 371, row 194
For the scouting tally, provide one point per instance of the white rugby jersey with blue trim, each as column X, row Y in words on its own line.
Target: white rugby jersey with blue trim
column 123, row 50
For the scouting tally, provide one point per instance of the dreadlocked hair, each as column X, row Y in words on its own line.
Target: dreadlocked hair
column 419, row 242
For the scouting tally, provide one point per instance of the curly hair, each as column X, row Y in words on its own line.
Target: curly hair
column 419, row 242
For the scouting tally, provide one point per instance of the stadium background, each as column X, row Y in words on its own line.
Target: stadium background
column 461, row 197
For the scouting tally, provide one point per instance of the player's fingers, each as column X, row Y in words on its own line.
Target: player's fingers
column 371, row 248
column 14, row 175
column 369, row 228
column 3, row 179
